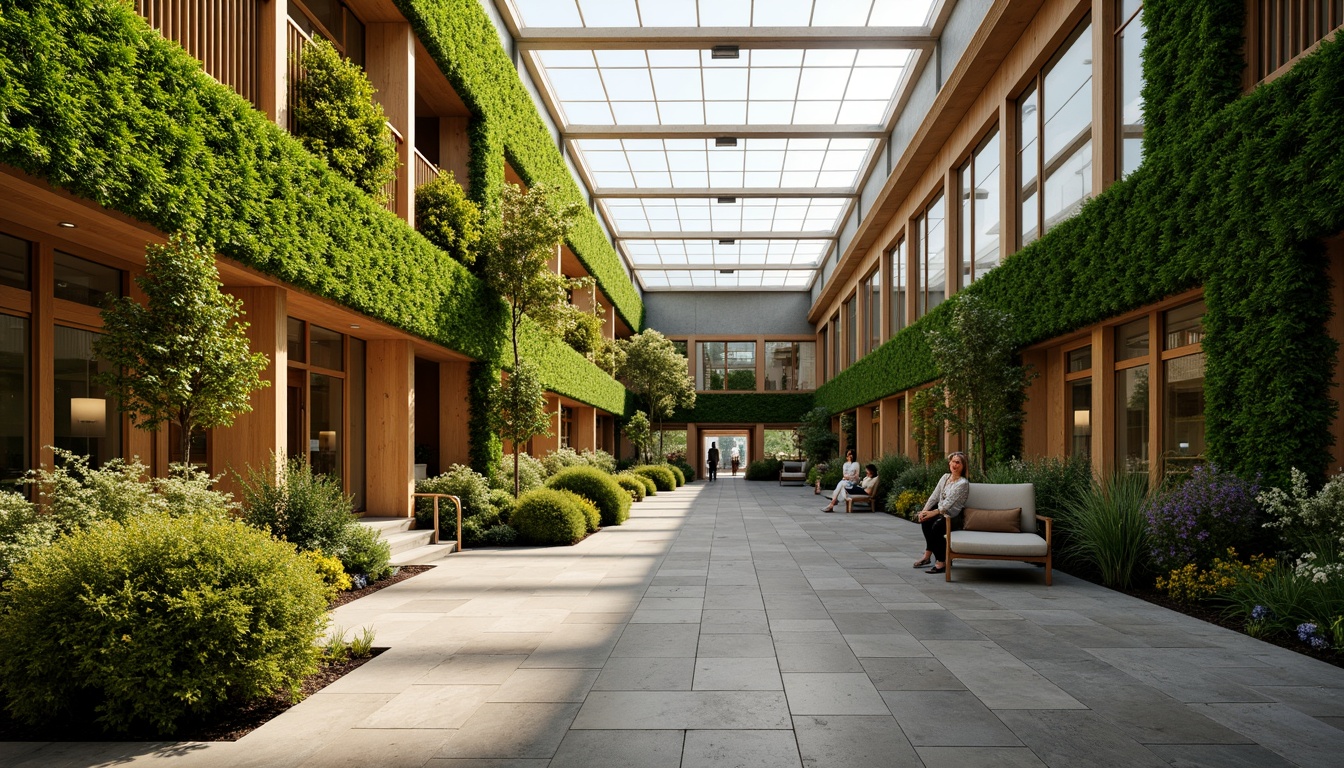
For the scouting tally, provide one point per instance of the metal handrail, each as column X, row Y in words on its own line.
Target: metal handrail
column 434, row 539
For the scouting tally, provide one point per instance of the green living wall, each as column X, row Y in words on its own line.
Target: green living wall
column 462, row 40
column 1235, row 194
column 94, row 101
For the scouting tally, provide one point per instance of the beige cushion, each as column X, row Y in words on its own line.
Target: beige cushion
column 1006, row 496
column 985, row 543
column 992, row 520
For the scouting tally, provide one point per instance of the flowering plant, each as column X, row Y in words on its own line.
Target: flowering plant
column 1194, row 522
column 1190, row 584
column 1307, row 522
column 1310, row 634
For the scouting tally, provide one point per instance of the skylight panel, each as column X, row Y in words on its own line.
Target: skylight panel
column 782, row 13
column 837, row 178
column 588, row 113
column 668, row 13
column 566, row 59
column 549, row 13
column 883, row 57
column 635, row 113
column 576, row 84
column 677, row 84
column 728, row 85
column 613, row 180
column 769, row 83
column 906, row 13
column 681, row 113
column 829, row 57
column 873, row 83
column 725, row 13
column 725, row 112
column 769, row 112
column 609, row 13
column 764, row 160
column 842, row 13
column 688, row 161
column 637, row 59
column 769, row 57
column 685, row 180
column 652, row 179
column 822, row 83
column 628, row 84
column 803, row 161
column 607, row 161
column 862, row 112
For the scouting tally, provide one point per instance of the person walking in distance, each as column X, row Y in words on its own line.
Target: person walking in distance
column 736, row 459
column 713, row 460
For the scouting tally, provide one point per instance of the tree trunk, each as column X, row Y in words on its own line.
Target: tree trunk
column 185, row 429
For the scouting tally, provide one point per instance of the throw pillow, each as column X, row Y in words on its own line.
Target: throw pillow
column 993, row 520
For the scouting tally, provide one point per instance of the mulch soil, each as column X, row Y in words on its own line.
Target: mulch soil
column 229, row 723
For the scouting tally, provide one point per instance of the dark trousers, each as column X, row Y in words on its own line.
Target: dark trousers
column 935, row 536
column 713, row 470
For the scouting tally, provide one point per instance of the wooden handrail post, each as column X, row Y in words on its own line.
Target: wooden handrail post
column 434, row 538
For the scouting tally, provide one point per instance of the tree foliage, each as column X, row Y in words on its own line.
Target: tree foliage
column 183, row 357
column 336, row 118
column 638, row 432
column 448, row 218
column 815, row 439
column 977, row 368
column 656, row 372
column 520, row 410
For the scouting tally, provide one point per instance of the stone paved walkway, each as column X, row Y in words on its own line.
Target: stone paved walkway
column 733, row 624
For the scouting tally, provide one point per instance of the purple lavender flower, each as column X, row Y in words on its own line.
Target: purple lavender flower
column 1307, row 632
column 1260, row 613
column 1200, row 518
column 1319, row 643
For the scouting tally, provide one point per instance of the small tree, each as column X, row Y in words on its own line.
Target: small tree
column 815, row 438
column 655, row 371
column 337, row 119
column 975, row 358
column 927, row 415
column 520, row 411
column 517, row 265
column 637, row 431
column 183, row 357
column 448, row 218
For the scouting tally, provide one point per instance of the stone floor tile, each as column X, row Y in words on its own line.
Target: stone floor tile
column 853, row 741
column 1077, row 737
column 910, row 674
column 816, row 657
column 726, row 621
column 737, row 674
column 979, row 757
column 998, row 678
column 642, row 710
column 741, row 749
column 947, row 719
column 502, row 643
column 546, row 685
column 1279, row 728
column 724, row 646
column 430, row 706
column 646, row 674
column 395, row 748
column 476, row 669
column 1169, row 670
column 620, row 749
column 647, row 616
column 511, row 730
column 832, row 694
column 1219, row 756
column 889, row 645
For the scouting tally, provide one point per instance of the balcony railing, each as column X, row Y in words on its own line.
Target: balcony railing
column 224, row 35
column 425, row 171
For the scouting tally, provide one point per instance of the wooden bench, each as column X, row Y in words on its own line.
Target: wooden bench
column 853, row 503
column 793, row 473
column 1029, row 545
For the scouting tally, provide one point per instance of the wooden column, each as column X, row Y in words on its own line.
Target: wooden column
column 258, row 436
column 1037, row 425
column 757, row 447
column 390, row 415
column 584, row 437
column 455, row 149
column 543, row 444
column 1334, row 253
column 390, row 61
column 454, row 415
column 695, row 456
column 863, row 434
column 271, row 70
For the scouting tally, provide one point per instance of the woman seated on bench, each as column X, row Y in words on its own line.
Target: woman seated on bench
column 948, row 498
column 846, row 489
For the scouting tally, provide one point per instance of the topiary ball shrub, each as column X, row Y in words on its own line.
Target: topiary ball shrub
column 650, row 487
column 547, row 516
column 471, row 489
column 661, row 476
column 531, row 473
column 687, row 473
column 634, row 487
column 160, row 618
column 598, row 487
column 765, row 469
column 676, row 474
column 503, row 502
column 591, row 516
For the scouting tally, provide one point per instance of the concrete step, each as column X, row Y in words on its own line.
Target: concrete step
column 401, row 541
column 388, row 524
column 425, row 555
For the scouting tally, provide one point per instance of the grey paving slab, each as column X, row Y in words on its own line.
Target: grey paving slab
column 546, row 685
column 473, row 669
column 816, row 657
column 910, row 674
column 646, row 674
column 832, row 693
column 430, row 706
column 855, row 741
column 998, row 678
column 1071, row 738
column 641, row 710
column 658, row 641
column 740, row 749
column 511, row 730
column 395, row 748
column 737, row 674
column 947, row 719
column 619, row 749
column 721, row 646
column 1283, row 730
column 979, row 757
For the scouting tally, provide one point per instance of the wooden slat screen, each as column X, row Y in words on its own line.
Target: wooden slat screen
column 1277, row 31
column 425, row 171
column 222, row 34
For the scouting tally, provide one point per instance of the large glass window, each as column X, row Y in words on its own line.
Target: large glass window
column 1185, row 326
column 14, row 402
column 84, row 281
column 327, row 348
column 872, row 311
column 1129, row 37
column 898, row 287
column 566, row 426
column 332, row 20
column 978, row 241
column 1131, row 414
column 87, row 422
column 1183, row 413
column 932, row 256
column 709, row 375
column 1131, row 340
column 1062, row 160
column 851, row 330
column 790, row 365
column 727, row 365
column 14, row 261
column 325, row 443
column 1080, row 426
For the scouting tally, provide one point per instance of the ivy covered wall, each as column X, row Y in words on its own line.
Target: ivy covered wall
column 1234, row 194
column 94, row 101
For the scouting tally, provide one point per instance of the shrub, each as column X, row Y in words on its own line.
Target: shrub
column 919, row 478
column 1189, row 584
column 889, row 470
column 1108, row 532
column 1195, row 521
column 503, row 502
column 650, row 487
column 601, row 460
column 1056, row 480
column 1283, row 598
column 23, row 531
column 634, row 487
column 661, row 476
column 471, row 489
column 364, row 553
column 159, row 618
column 765, row 469
column 306, row 509
column 337, row 118
column 562, row 458
column 1306, row 522
column 592, row 516
column 676, row 474
column 500, row 535
column 907, row 503
column 531, row 474
column 547, row 516
column 832, row 476
column 687, row 472
column 331, row 570
column 597, row 486
column 447, row 217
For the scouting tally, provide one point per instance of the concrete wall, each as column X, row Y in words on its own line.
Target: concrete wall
column 749, row 314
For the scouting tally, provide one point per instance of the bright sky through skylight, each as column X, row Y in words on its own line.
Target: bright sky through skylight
column 723, row 13
column 706, row 253
column 697, row 163
column 635, row 215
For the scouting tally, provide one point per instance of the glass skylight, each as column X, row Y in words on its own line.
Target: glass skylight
column 698, row 164
column 768, row 214
column 688, row 87
column 734, row 279
column 773, row 254
column 723, row 13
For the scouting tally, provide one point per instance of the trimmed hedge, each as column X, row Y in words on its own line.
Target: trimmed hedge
column 464, row 43
column 765, row 469
column 632, row 486
column 1235, row 194
column 650, row 487
column 592, row 517
column 547, row 516
column 676, row 474
column 661, row 476
column 598, row 487
column 748, row 407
